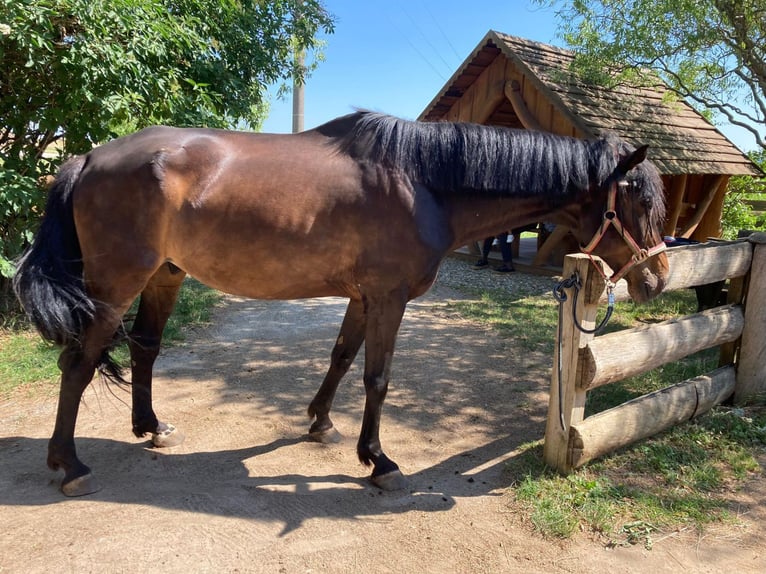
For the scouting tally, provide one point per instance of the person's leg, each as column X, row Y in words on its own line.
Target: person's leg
column 483, row 263
column 505, row 250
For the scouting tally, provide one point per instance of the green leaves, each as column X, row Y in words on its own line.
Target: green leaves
column 709, row 52
column 20, row 201
column 79, row 72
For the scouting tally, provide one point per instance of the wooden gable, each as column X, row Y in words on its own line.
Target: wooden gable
column 519, row 83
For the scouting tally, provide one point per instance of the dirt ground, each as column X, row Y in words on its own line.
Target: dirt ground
column 247, row 492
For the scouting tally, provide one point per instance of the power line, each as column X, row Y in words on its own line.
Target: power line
column 425, row 38
column 441, row 30
column 416, row 49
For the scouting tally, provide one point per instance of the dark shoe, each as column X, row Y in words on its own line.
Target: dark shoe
column 504, row 269
column 480, row 264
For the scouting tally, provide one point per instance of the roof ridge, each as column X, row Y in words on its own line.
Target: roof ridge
column 585, row 109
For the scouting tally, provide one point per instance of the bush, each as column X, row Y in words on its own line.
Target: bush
column 736, row 213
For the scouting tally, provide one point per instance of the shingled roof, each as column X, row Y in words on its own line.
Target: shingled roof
column 680, row 139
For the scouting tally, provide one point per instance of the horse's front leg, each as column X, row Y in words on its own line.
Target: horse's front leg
column 383, row 319
column 157, row 301
column 346, row 347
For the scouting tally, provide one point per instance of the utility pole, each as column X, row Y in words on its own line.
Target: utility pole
column 298, row 94
column 298, row 86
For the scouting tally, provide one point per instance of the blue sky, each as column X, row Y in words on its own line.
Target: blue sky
column 394, row 56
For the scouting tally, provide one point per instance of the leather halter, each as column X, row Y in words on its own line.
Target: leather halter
column 610, row 219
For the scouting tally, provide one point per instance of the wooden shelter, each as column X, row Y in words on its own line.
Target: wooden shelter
column 513, row 82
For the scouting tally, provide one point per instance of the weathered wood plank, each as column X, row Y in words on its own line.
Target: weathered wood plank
column 647, row 415
column 751, row 371
column 692, row 265
column 619, row 355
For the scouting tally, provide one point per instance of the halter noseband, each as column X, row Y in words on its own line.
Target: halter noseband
column 610, row 218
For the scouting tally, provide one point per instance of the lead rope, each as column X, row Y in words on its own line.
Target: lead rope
column 561, row 297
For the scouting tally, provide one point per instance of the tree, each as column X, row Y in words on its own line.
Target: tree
column 74, row 73
column 711, row 53
column 737, row 214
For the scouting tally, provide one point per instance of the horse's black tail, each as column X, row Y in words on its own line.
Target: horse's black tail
column 49, row 280
column 49, row 277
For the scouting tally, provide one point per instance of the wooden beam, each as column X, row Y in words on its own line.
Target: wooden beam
column 620, row 355
column 675, row 202
column 513, row 93
column 710, row 226
column 692, row 265
column 647, row 415
column 546, row 249
column 703, row 205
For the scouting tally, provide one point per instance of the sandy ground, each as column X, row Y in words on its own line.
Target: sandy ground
column 247, row 492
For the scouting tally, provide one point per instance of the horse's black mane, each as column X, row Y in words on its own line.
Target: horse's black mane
column 463, row 157
column 458, row 157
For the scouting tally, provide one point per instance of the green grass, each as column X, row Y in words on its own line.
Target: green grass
column 26, row 360
column 678, row 479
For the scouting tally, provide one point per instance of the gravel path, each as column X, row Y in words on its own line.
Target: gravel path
column 459, row 274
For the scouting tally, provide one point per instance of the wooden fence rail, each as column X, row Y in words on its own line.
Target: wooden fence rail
column 588, row 361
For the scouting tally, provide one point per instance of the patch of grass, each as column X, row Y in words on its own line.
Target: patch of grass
column 678, row 479
column 27, row 359
column 531, row 321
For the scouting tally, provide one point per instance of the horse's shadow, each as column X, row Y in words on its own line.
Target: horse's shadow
column 142, row 475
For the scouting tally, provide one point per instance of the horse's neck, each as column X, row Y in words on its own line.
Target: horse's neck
column 475, row 218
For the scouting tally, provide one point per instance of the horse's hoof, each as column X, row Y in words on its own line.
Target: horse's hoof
column 80, row 486
column 328, row 436
column 167, row 435
column 393, row 480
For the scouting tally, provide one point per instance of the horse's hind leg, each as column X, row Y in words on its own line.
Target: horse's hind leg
column 78, row 362
column 157, row 301
column 346, row 347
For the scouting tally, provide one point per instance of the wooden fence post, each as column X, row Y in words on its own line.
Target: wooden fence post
column 751, row 367
column 556, row 448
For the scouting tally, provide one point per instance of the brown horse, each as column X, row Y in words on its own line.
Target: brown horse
column 365, row 207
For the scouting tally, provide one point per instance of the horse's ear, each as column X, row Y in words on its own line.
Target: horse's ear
column 631, row 161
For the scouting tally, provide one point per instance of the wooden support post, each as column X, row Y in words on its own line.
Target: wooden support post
column 735, row 296
column 675, row 203
column 513, row 93
column 556, row 449
column 545, row 251
column 751, row 368
column 703, row 205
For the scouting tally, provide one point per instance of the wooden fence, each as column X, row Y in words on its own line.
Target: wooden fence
column 758, row 207
column 588, row 361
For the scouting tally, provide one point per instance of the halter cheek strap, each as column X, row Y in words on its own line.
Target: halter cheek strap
column 610, row 219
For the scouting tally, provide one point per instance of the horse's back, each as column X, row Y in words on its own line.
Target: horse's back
column 261, row 215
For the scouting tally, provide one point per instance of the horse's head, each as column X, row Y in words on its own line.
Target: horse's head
column 622, row 220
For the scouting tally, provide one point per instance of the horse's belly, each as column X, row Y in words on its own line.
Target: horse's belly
column 278, row 276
